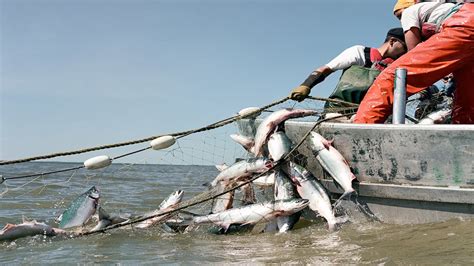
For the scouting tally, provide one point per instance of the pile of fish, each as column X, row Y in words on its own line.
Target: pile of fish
column 291, row 182
column 294, row 189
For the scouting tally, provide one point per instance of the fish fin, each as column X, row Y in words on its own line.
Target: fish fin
column 353, row 177
column 59, row 218
column 8, row 226
column 327, row 144
column 364, row 208
column 244, row 224
column 225, row 227
column 24, row 219
column 221, row 167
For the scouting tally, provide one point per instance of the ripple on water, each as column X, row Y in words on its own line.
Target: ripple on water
column 135, row 189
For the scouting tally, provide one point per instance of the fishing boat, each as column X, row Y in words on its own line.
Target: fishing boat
column 406, row 174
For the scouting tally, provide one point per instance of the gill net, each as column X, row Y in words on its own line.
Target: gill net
column 42, row 190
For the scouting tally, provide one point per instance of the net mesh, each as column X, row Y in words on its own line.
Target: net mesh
column 186, row 165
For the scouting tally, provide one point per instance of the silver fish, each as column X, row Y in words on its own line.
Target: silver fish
column 246, row 142
column 223, row 202
column 284, row 190
column 28, row 228
column 241, row 169
column 267, row 180
column 252, row 214
column 437, row 117
column 168, row 204
column 106, row 219
column 81, row 209
column 311, row 189
column 333, row 162
column 270, row 123
column 278, row 145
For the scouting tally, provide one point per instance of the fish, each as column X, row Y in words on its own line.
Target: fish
column 278, row 145
column 80, row 210
column 270, row 124
column 310, row 188
column 167, row 205
column 241, row 169
column 285, row 190
column 437, row 117
column 222, row 202
column 246, row 142
column 28, row 228
column 333, row 162
column 106, row 219
column 267, row 180
column 254, row 213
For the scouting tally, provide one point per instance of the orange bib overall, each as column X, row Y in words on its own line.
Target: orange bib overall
column 449, row 51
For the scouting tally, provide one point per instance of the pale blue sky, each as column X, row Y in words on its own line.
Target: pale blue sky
column 80, row 73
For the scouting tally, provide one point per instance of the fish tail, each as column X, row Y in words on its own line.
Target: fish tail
column 365, row 210
column 346, row 195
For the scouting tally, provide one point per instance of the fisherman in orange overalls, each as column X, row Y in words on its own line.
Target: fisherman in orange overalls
column 440, row 40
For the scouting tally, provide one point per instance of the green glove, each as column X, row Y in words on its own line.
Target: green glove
column 300, row 93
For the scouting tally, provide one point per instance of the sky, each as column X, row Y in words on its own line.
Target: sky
column 82, row 73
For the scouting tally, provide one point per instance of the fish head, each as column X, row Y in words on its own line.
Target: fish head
column 290, row 206
column 259, row 165
column 318, row 142
column 268, row 164
column 93, row 193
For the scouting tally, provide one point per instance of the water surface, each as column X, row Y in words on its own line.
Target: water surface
column 139, row 188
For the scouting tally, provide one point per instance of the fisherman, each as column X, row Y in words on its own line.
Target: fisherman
column 440, row 41
column 360, row 66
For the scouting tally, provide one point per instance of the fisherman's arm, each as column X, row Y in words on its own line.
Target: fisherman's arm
column 351, row 56
column 410, row 21
column 302, row 91
column 412, row 37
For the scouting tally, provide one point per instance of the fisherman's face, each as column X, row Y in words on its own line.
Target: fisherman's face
column 397, row 48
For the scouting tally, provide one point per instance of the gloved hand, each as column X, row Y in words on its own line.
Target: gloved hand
column 300, row 93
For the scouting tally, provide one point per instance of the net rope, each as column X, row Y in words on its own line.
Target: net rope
column 208, row 145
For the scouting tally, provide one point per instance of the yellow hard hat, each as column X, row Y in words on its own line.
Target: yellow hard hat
column 403, row 4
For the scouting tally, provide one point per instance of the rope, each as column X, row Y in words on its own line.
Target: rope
column 194, row 202
column 333, row 101
column 121, row 144
column 209, row 127
column 3, row 179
